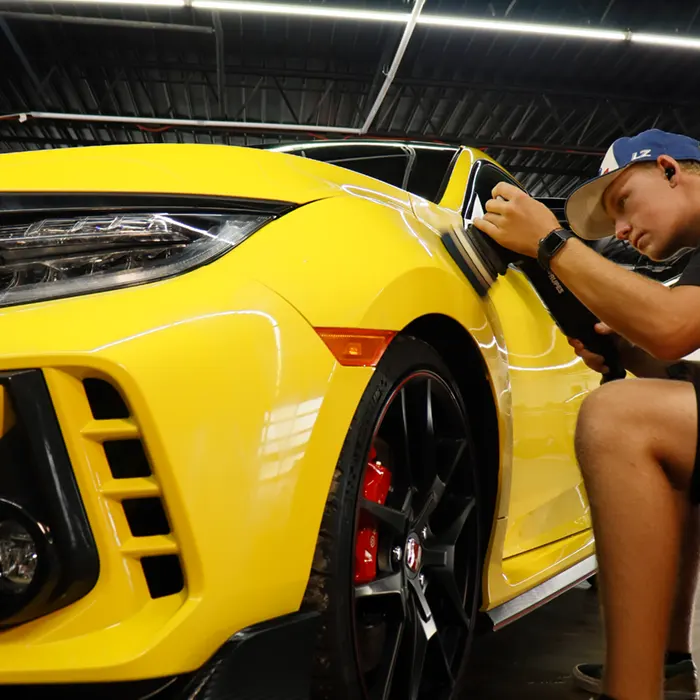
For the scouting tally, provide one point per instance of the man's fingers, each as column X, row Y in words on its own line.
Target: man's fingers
column 603, row 328
column 486, row 226
column 497, row 206
column 495, row 219
column 506, row 190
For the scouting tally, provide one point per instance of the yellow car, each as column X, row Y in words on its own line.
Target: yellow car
column 264, row 433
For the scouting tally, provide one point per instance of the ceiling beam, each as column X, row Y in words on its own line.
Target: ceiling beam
column 308, row 129
column 104, row 22
column 362, row 78
column 396, row 62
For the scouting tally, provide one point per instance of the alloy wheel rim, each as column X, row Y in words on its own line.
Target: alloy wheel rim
column 412, row 620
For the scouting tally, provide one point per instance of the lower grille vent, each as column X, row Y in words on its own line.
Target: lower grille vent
column 105, row 401
column 146, row 517
column 163, row 575
column 136, row 488
column 127, row 459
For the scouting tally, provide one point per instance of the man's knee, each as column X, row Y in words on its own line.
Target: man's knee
column 601, row 416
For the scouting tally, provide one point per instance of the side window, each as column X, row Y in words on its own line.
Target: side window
column 432, row 166
column 421, row 169
column 386, row 163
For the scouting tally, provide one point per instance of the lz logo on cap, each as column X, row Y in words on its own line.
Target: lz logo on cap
column 644, row 153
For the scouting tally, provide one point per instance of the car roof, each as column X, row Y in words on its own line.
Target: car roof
column 332, row 143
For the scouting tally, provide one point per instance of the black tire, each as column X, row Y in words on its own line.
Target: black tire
column 348, row 632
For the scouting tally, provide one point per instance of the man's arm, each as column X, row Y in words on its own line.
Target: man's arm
column 664, row 322
column 642, row 364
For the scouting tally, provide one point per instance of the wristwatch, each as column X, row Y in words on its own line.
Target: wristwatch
column 551, row 244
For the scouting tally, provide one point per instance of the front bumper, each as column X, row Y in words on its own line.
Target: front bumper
column 235, row 413
column 271, row 660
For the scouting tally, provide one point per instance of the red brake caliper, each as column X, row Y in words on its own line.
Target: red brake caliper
column 375, row 487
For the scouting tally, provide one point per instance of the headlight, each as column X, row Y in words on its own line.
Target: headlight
column 68, row 256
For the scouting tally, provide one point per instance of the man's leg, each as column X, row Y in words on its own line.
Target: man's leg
column 680, row 635
column 636, row 443
column 681, row 674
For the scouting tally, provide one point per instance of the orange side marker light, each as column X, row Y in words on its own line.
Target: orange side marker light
column 356, row 347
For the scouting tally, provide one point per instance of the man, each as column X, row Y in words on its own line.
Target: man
column 636, row 439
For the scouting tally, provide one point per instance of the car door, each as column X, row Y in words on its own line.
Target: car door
column 548, row 382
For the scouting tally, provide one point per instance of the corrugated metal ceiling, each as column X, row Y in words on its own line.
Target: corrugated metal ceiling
column 545, row 107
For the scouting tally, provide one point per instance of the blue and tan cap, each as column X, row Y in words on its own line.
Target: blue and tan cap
column 584, row 208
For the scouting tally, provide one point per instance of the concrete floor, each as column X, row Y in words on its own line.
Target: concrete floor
column 532, row 658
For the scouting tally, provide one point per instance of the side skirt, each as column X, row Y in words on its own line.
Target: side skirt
column 540, row 595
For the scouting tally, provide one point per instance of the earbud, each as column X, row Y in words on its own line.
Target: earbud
column 670, row 172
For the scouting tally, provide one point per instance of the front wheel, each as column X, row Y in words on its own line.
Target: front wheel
column 397, row 569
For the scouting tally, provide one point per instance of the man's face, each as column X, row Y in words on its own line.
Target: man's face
column 647, row 211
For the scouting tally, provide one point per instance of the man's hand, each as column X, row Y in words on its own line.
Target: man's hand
column 634, row 359
column 517, row 221
column 592, row 360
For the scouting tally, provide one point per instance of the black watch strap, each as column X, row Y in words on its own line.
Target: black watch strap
column 551, row 244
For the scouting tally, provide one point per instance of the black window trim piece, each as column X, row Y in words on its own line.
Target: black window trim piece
column 448, row 174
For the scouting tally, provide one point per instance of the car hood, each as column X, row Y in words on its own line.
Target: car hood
column 227, row 171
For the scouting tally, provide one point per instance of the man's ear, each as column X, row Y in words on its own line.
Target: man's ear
column 670, row 169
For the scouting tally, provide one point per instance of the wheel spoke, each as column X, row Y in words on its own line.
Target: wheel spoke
column 455, row 529
column 443, row 655
column 429, row 445
column 421, row 601
column 419, row 431
column 422, row 634
column 435, row 493
column 455, row 449
column 397, row 520
column 391, row 585
column 434, row 557
column 409, row 434
column 382, row 689
column 446, row 580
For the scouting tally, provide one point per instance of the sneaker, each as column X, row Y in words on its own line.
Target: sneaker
column 681, row 680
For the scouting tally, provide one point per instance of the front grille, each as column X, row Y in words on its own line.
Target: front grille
column 135, row 486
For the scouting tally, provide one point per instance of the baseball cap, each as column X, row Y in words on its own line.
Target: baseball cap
column 584, row 207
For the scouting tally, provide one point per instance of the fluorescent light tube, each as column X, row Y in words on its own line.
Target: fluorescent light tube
column 269, row 8
column 449, row 22
column 144, row 3
column 401, row 18
column 665, row 40
column 521, row 27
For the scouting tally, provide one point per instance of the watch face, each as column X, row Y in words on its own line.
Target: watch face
column 550, row 244
column 553, row 240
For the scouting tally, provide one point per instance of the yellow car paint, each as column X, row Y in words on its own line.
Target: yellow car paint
column 243, row 410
